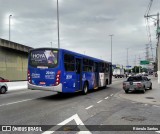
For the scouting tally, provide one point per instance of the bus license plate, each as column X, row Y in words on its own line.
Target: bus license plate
column 42, row 83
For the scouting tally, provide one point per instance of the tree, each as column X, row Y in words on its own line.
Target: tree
column 135, row 69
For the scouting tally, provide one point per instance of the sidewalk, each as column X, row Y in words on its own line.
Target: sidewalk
column 17, row 85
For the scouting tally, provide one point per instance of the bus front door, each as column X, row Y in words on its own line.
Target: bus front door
column 78, row 74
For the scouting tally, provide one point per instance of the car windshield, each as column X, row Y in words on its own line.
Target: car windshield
column 134, row 79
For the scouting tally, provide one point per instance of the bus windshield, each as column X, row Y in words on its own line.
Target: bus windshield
column 43, row 58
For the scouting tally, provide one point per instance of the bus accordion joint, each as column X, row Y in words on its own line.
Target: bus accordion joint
column 58, row 78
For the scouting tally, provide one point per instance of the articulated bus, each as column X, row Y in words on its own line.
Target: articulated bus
column 65, row 71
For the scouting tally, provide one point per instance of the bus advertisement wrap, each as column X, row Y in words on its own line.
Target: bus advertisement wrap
column 44, row 58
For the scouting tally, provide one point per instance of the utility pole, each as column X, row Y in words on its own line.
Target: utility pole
column 127, row 56
column 158, row 47
column 139, row 64
column 111, row 46
column 147, row 54
column 135, row 64
column 127, row 60
column 58, row 24
column 147, row 51
column 158, row 43
column 51, row 44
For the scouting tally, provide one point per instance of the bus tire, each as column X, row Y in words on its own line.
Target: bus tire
column 85, row 89
column 106, row 83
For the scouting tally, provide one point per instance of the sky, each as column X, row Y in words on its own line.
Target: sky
column 85, row 26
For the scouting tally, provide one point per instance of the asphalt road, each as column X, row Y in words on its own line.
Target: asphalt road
column 108, row 106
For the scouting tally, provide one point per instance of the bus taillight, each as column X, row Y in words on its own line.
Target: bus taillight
column 58, row 78
column 29, row 77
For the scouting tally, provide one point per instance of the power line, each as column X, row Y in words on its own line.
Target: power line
column 148, row 26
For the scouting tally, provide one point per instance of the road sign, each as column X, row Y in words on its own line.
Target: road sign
column 128, row 66
column 114, row 66
column 144, row 62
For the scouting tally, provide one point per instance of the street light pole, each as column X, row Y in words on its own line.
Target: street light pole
column 51, row 44
column 127, row 61
column 58, row 24
column 9, row 28
column 111, row 46
column 127, row 56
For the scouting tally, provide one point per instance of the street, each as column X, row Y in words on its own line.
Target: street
column 110, row 106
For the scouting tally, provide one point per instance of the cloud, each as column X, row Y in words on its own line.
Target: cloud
column 84, row 25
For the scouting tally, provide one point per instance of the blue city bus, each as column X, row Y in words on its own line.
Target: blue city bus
column 65, row 71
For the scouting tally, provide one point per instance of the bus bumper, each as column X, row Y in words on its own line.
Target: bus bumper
column 46, row 88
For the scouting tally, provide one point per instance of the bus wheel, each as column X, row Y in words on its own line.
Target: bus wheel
column 105, row 86
column 85, row 89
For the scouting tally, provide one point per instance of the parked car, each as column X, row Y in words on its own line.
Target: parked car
column 3, row 80
column 137, row 83
column 3, row 88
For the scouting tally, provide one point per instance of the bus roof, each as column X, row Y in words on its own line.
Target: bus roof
column 71, row 52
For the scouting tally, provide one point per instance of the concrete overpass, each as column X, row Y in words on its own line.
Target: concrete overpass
column 13, row 60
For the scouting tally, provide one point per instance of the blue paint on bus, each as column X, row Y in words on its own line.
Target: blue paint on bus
column 65, row 71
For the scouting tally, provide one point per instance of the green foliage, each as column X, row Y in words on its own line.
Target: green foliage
column 135, row 69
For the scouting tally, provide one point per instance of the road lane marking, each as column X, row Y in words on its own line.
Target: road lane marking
column 15, row 102
column 106, row 98
column 75, row 118
column 145, row 104
column 158, row 132
column 89, row 107
column 17, row 92
column 100, row 101
column 111, row 94
column 156, row 106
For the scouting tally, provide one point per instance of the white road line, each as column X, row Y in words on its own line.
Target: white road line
column 156, row 106
column 15, row 102
column 111, row 94
column 89, row 107
column 100, row 101
column 16, row 92
column 158, row 132
column 106, row 98
column 145, row 104
column 75, row 118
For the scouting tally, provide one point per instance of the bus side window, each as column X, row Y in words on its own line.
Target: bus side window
column 69, row 63
column 88, row 65
column 95, row 67
column 106, row 67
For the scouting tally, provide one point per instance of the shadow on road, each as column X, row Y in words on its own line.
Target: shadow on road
column 64, row 96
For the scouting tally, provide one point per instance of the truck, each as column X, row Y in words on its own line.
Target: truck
column 119, row 73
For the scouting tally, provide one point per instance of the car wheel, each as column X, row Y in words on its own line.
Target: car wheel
column 126, row 91
column 144, row 90
column 85, row 89
column 3, row 90
column 150, row 87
